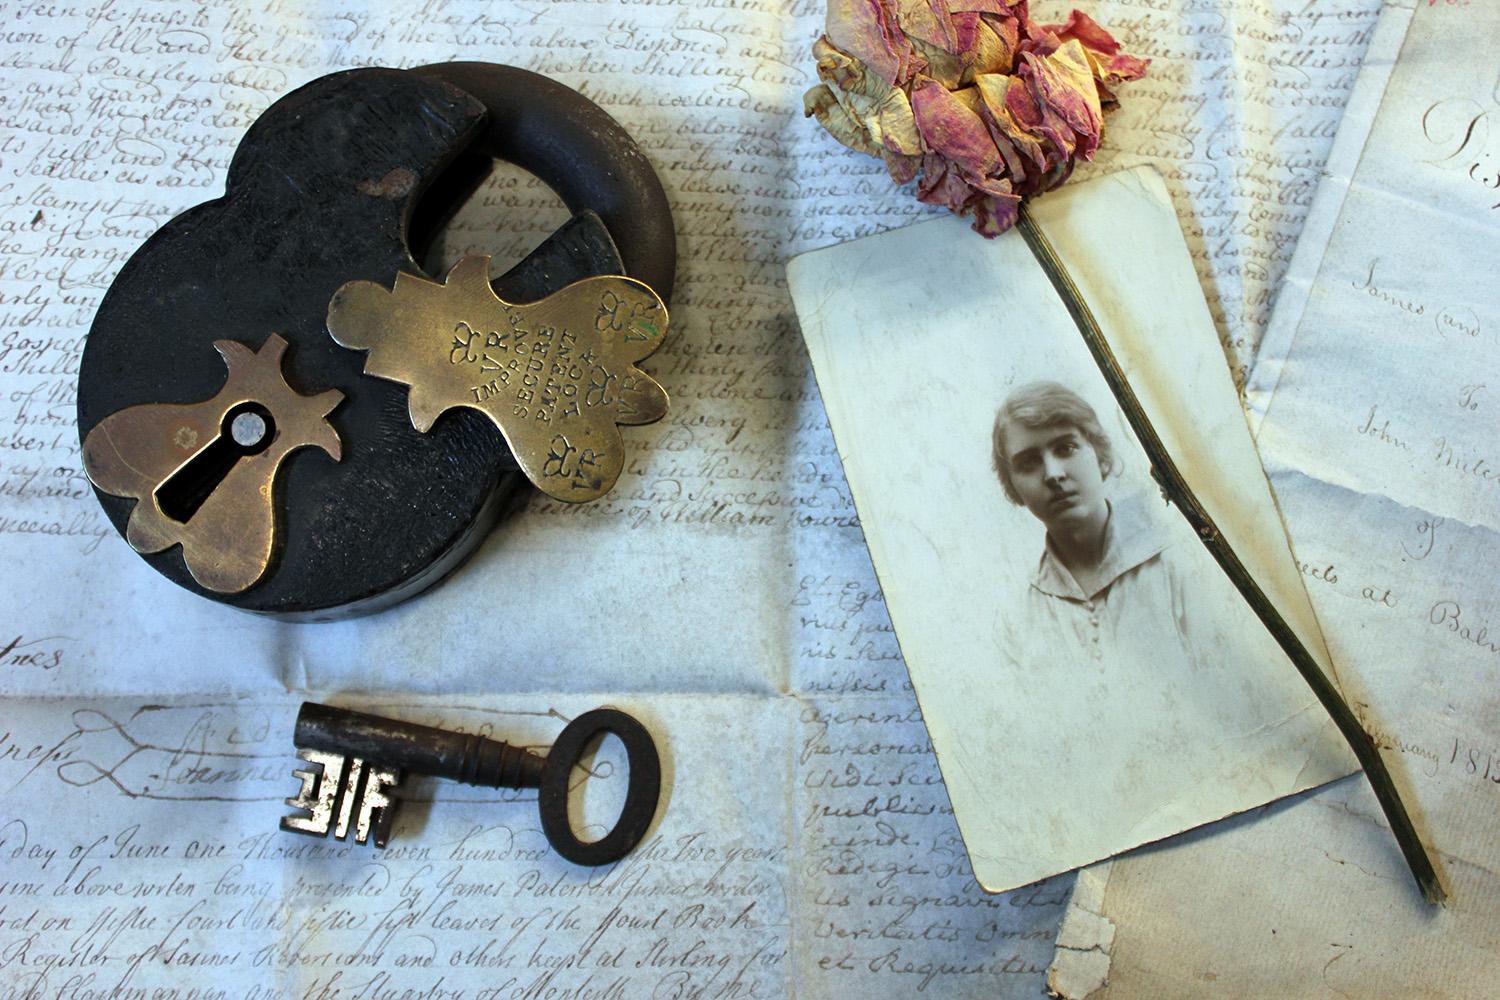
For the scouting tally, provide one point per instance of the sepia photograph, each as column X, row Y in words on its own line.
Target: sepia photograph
column 1112, row 581
column 1090, row 678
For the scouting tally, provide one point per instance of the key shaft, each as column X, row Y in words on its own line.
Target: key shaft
column 465, row 757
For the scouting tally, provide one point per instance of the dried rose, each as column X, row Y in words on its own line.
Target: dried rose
column 987, row 106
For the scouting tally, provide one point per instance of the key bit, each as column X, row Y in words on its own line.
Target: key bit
column 330, row 791
column 337, row 734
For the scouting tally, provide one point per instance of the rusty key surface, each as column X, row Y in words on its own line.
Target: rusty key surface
column 476, row 760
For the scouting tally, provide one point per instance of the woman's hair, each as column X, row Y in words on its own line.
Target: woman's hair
column 1047, row 404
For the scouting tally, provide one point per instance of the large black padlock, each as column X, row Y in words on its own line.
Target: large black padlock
column 297, row 483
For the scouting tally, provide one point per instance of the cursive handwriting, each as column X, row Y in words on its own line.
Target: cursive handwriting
column 1465, row 464
column 1380, row 431
column 1466, row 136
column 1426, row 532
column 1449, row 615
column 44, row 653
column 1369, row 287
column 1480, row 763
column 116, row 117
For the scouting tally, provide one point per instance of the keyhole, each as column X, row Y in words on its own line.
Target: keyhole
column 247, row 429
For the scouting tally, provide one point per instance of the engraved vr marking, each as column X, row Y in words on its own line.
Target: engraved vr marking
column 555, row 376
column 203, row 474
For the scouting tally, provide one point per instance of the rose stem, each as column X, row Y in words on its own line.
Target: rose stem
column 1177, row 491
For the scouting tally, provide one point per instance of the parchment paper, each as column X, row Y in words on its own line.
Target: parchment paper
column 766, row 665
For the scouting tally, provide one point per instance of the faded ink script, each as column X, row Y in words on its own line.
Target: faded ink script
column 852, row 876
column 1393, row 361
column 806, row 845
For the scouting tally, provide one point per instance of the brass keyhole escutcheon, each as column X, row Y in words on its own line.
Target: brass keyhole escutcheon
column 247, row 429
column 203, row 474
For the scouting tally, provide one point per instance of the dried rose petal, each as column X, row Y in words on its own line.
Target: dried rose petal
column 974, row 100
column 859, row 109
column 1065, row 84
column 953, row 130
column 823, row 102
column 867, row 31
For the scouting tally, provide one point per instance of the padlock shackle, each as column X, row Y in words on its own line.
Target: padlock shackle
column 580, row 152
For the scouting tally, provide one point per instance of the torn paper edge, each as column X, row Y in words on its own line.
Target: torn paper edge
column 1080, row 963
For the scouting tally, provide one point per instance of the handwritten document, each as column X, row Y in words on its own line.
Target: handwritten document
column 763, row 660
column 1378, row 435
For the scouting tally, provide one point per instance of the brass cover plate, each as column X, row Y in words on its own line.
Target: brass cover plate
column 555, row 376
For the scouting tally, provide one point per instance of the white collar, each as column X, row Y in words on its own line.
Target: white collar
column 1132, row 536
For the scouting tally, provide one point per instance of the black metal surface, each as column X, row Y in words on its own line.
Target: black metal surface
column 321, row 192
column 580, row 152
column 463, row 757
column 641, row 796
